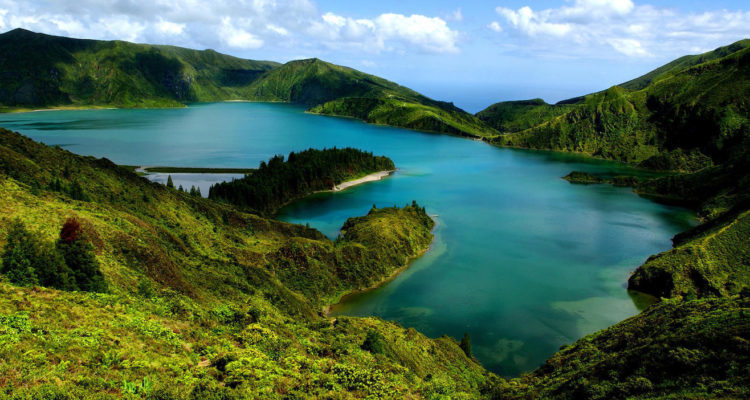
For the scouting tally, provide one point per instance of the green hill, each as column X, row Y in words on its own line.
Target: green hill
column 335, row 90
column 41, row 71
column 516, row 116
column 46, row 71
column 684, row 116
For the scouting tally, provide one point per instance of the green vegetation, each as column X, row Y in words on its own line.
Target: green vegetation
column 712, row 258
column 42, row 71
column 50, row 71
column 582, row 178
column 278, row 182
column 204, row 300
column 684, row 116
column 407, row 113
column 516, row 116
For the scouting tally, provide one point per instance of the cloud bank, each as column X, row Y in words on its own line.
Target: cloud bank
column 231, row 24
column 604, row 27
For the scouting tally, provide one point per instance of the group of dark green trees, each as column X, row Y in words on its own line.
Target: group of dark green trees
column 193, row 190
column 277, row 182
column 69, row 264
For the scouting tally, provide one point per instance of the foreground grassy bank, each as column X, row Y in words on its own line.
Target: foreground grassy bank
column 205, row 301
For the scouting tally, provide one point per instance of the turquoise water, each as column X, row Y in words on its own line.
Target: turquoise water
column 523, row 261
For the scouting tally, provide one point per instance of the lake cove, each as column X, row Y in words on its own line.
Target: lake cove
column 522, row 260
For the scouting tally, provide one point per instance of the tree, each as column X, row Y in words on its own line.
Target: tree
column 466, row 344
column 170, row 184
column 79, row 258
column 17, row 259
column 29, row 261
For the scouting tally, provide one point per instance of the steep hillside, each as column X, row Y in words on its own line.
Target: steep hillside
column 44, row 71
column 690, row 114
column 203, row 298
column 682, row 63
column 516, row 116
column 335, row 90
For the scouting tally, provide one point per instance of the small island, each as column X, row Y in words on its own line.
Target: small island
column 279, row 181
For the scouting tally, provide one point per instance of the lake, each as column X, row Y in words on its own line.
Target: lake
column 522, row 260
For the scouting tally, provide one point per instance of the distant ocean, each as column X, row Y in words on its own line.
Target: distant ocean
column 475, row 97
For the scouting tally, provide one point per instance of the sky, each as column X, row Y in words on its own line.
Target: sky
column 472, row 53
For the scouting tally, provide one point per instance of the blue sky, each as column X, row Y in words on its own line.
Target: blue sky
column 472, row 53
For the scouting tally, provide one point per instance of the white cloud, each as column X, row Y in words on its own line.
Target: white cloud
column 295, row 25
column 387, row 32
column 169, row 28
column 495, row 26
column 238, row 37
column 604, row 28
column 531, row 23
column 629, row 47
column 456, row 15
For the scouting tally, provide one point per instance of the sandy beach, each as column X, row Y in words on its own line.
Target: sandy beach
column 367, row 178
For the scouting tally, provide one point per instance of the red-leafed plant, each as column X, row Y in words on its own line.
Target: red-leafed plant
column 71, row 231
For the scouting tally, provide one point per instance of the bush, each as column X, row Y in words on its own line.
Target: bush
column 374, row 343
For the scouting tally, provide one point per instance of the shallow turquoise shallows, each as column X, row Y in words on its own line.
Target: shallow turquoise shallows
column 522, row 260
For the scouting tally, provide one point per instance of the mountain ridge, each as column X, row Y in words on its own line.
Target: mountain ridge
column 45, row 71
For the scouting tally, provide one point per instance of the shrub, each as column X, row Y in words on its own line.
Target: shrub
column 374, row 342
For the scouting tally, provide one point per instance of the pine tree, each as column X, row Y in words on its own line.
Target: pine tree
column 198, row 191
column 192, row 190
column 17, row 262
column 170, row 184
column 29, row 261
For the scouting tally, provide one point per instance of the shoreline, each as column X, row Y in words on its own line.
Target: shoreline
column 375, row 176
column 144, row 169
column 327, row 309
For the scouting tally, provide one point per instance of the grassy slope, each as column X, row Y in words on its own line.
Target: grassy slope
column 516, row 116
column 335, row 90
column 712, row 259
column 204, row 296
column 689, row 115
